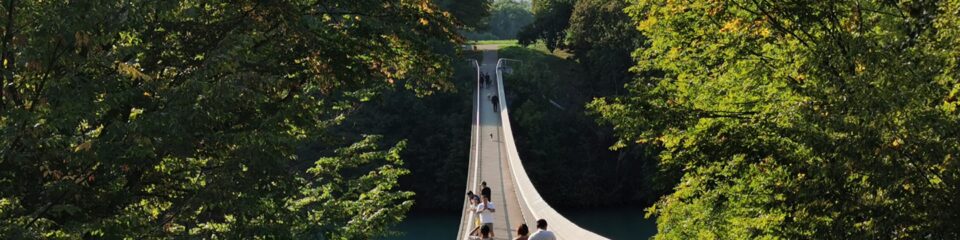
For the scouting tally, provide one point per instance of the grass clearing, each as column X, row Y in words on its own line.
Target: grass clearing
column 513, row 43
column 541, row 47
column 501, row 43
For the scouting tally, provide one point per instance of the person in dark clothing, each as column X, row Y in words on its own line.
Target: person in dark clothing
column 523, row 232
column 486, row 78
column 474, row 199
column 496, row 103
column 486, row 232
column 484, row 190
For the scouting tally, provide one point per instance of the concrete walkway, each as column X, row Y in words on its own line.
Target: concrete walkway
column 494, row 158
column 493, row 167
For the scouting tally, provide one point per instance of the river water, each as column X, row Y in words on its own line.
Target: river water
column 613, row 223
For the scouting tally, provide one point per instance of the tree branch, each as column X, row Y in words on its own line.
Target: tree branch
column 5, row 53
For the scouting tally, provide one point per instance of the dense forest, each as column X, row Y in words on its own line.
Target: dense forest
column 573, row 160
column 761, row 119
column 219, row 119
column 570, row 153
column 334, row 119
column 798, row 119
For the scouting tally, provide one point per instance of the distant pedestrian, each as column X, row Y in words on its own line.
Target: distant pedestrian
column 486, row 78
column 496, row 103
column 522, row 232
column 484, row 190
column 542, row 233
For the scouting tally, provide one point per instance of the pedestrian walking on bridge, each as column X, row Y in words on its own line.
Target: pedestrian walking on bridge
column 484, row 190
column 486, row 77
column 523, row 232
column 542, row 233
column 486, row 210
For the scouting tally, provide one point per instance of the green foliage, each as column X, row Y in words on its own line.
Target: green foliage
column 508, row 17
column 551, row 19
column 598, row 34
column 470, row 13
column 183, row 119
column 601, row 37
column 598, row 37
column 354, row 197
column 564, row 150
column 799, row 119
column 437, row 129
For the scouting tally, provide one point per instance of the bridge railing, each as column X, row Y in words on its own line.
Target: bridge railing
column 528, row 196
column 466, row 219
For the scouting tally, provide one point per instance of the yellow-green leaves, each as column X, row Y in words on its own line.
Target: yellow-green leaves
column 132, row 71
column 799, row 119
column 185, row 119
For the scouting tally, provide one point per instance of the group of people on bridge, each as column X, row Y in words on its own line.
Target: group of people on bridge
column 485, row 208
column 484, row 83
column 484, row 80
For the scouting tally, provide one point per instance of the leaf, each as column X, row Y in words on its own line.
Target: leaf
column 83, row 146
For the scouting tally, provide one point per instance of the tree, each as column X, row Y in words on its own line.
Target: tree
column 799, row 119
column 436, row 130
column 551, row 18
column 597, row 33
column 565, row 151
column 158, row 119
column 470, row 13
column 601, row 38
column 508, row 17
column 597, row 37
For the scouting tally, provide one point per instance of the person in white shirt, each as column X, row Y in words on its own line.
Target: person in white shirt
column 486, row 209
column 542, row 233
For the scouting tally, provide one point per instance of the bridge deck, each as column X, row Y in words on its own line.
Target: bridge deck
column 493, row 159
column 493, row 167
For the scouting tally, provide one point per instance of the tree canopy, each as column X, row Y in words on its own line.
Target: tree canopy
column 601, row 37
column 551, row 18
column 508, row 17
column 470, row 13
column 153, row 119
column 549, row 90
column 596, row 33
column 799, row 119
